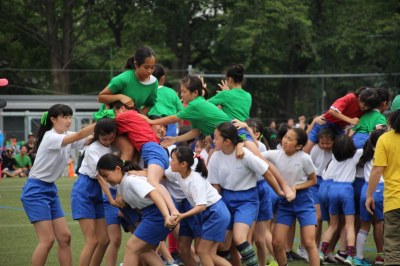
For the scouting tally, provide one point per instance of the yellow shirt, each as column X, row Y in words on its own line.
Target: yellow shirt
column 387, row 154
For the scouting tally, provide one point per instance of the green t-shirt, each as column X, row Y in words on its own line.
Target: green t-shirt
column 168, row 102
column 23, row 161
column 236, row 103
column 203, row 115
column 369, row 121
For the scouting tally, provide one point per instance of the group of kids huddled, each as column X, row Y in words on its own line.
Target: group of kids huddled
column 137, row 172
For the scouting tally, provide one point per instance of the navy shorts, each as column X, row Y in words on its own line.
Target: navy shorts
column 323, row 196
column 314, row 190
column 357, row 185
column 110, row 211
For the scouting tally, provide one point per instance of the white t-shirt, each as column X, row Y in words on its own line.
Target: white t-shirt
column 51, row 157
column 261, row 148
column 197, row 189
column 134, row 190
column 320, row 158
column 367, row 172
column 295, row 169
column 92, row 155
column 233, row 173
column 344, row 171
column 359, row 172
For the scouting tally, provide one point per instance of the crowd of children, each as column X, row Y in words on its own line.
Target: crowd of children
column 221, row 187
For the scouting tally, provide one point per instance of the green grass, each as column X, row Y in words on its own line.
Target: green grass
column 18, row 238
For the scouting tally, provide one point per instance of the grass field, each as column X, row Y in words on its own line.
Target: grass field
column 17, row 235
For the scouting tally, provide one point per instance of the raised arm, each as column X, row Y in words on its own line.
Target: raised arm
column 81, row 134
column 107, row 97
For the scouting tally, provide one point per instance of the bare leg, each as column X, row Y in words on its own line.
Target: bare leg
column 114, row 232
column 63, row 237
column 44, row 232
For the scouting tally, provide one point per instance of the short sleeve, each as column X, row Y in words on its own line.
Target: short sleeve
column 380, row 158
column 213, row 176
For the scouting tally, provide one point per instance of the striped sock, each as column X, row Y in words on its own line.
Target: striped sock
column 248, row 255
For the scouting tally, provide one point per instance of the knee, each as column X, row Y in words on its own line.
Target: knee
column 277, row 242
column 64, row 239
column 309, row 243
column 47, row 242
column 115, row 241
column 260, row 241
column 184, row 250
column 104, row 241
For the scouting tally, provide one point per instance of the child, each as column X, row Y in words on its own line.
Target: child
column 39, row 195
column 139, row 194
column 168, row 102
column 345, row 111
column 200, row 147
column 300, row 173
column 86, row 196
column 342, row 170
column 377, row 218
column 235, row 101
column 237, row 181
column 136, row 87
column 370, row 121
column 205, row 201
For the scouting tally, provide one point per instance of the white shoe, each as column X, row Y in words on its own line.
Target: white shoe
column 302, row 252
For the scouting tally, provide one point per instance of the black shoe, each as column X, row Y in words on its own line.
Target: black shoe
column 177, row 258
column 291, row 255
column 341, row 256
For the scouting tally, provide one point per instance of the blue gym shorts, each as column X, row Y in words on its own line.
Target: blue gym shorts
column 191, row 226
column 323, row 196
column 265, row 207
column 153, row 153
column 357, row 185
column 214, row 222
column 110, row 211
column 40, row 200
column 341, row 199
column 378, row 198
column 313, row 135
column 86, row 199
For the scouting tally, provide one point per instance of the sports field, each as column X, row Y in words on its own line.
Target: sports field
column 17, row 235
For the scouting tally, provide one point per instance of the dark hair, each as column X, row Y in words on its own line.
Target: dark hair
column 193, row 83
column 271, row 135
column 383, row 94
column 118, row 104
column 394, row 121
column 158, row 71
column 369, row 96
column 343, row 148
column 236, row 73
column 257, row 126
column 105, row 126
column 229, row 131
column 184, row 130
column 283, row 128
column 301, row 136
column 54, row 111
column 110, row 161
column 140, row 57
column 326, row 132
column 185, row 154
column 153, row 117
column 368, row 149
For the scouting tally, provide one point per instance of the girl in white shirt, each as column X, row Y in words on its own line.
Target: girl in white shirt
column 205, row 200
column 140, row 195
column 86, row 196
column 40, row 195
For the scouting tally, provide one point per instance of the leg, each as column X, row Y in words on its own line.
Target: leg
column 268, row 237
column 44, row 232
column 328, row 235
column 308, row 240
column 207, row 251
column 378, row 235
column 114, row 232
column 362, row 238
column 351, row 238
column 279, row 241
column 133, row 249
column 63, row 237
column 318, row 228
column 126, row 148
column 88, row 227
column 102, row 241
column 185, row 247
column 151, row 258
column 260, row 241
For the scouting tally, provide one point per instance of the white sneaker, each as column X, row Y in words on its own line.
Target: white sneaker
column 302, row 252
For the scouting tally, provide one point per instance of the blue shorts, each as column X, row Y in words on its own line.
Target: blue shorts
column 86, row 199
column 341, row 198
column 110, row 211
column 151, row 229
column 302, row 208
column 313, row 135
column 131, row 216
column 190, row 226
column 357, row 185
column 359, row 139
column 242, row 205
column 264, row 195
column 274, row 200
column 378, row 198
column 323, row 197
column 153, row 153
column 40, row 200
column 314, row 190
column 214, row 222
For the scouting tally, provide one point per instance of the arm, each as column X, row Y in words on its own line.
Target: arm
column 312, row 180
column 271, row 180
column 290, row 194
column 374, row 177
column 83, row 133
column 160, row 203
column 195, row 210
column 352, row 121
column 107, row 97
column 162, row 121
column 192, row 134
column 106, row 190
column 217, row 187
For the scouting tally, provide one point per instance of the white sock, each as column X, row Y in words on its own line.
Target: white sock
column 360, row 243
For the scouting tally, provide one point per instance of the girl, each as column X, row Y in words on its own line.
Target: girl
column 377, row 218
column 342, row 169
column 86, row 196
column 201, row 148
column 300, row 173
column 205, row 201
column 235, row 101
column 39, row 195
column 345, row 111
column 134, row 87
column 139, row 194
column 237, row 181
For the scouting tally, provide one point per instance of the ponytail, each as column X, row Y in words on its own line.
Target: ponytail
column 185, row 154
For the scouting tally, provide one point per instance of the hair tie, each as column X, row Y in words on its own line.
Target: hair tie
column 261, row 136
column 198, row 156
column 43, row 120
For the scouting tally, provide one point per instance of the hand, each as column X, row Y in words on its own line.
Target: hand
column 126, row 100
column 119, row 201
column 239, row 151
column 239, row 124
column 168, row 141
column 354, row 121
column 320, row 120
column 169, row 222
column 290, row 193
column 223, row 85
column 370, row 205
